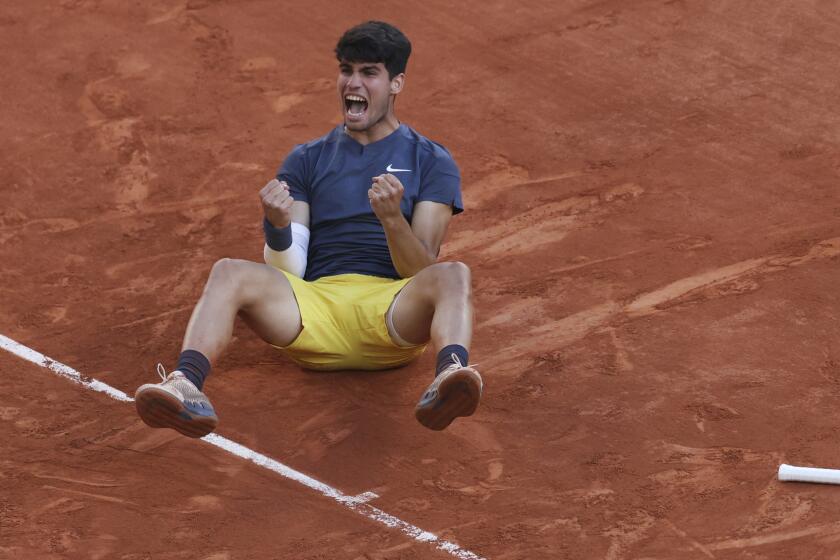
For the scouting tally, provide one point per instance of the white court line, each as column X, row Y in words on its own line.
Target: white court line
column 355, row 503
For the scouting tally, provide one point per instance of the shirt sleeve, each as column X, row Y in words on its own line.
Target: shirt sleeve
column 293, row 171
column 440, row 180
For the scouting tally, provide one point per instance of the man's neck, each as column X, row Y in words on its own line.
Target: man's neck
column 377, row 132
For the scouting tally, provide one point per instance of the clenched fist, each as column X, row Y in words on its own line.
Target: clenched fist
column 385, row 195
column 277, row 203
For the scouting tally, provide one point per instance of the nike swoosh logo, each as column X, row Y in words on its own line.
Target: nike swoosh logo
column 390, row 169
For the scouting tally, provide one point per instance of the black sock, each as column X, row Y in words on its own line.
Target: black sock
column 195, row 366
column 444, row 358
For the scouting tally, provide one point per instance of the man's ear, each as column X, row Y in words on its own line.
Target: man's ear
column 397, row 83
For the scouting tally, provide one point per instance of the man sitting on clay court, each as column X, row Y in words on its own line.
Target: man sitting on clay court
column 353, row 227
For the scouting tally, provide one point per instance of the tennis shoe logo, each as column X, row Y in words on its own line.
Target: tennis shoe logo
column 390, row 169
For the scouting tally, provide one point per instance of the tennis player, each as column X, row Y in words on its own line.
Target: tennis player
column 353, row 225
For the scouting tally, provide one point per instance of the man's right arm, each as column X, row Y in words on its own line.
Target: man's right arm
column 286, row 227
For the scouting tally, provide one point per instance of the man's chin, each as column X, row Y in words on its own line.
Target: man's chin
column 356, row 126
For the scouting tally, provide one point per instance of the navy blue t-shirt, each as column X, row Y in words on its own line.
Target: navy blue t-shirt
column 333, row 174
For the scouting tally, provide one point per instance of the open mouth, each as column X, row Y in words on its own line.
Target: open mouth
column 355, row 105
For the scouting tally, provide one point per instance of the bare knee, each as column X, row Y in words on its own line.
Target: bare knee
column 248, row 283
column 457, row 275
column 451, row 279
column 227, row 275
column 225, row 270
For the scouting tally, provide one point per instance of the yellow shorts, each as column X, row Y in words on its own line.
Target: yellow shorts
column 344, row 324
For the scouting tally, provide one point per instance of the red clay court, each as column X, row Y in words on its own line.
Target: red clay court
column 653, row 226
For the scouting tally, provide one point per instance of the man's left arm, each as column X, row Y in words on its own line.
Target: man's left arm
column 416, row 245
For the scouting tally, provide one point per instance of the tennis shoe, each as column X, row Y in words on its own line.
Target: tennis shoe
column 455, row 392
column 175, row 403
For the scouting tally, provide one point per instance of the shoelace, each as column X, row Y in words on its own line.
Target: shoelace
column 456, row 364
column 161, row 371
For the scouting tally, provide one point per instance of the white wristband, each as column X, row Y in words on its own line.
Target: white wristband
column 293, row 259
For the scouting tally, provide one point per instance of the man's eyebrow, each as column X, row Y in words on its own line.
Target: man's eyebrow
column 372, row 66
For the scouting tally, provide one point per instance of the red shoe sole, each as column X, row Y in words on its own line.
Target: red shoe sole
column 159, row 409
column 457, row 396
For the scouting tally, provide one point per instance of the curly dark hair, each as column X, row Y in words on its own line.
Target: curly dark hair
column 375, row 41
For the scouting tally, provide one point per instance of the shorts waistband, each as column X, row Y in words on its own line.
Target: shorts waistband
column 353, row 279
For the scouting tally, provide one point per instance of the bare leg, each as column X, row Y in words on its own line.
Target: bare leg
column 436, row 305
column 257, row 292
